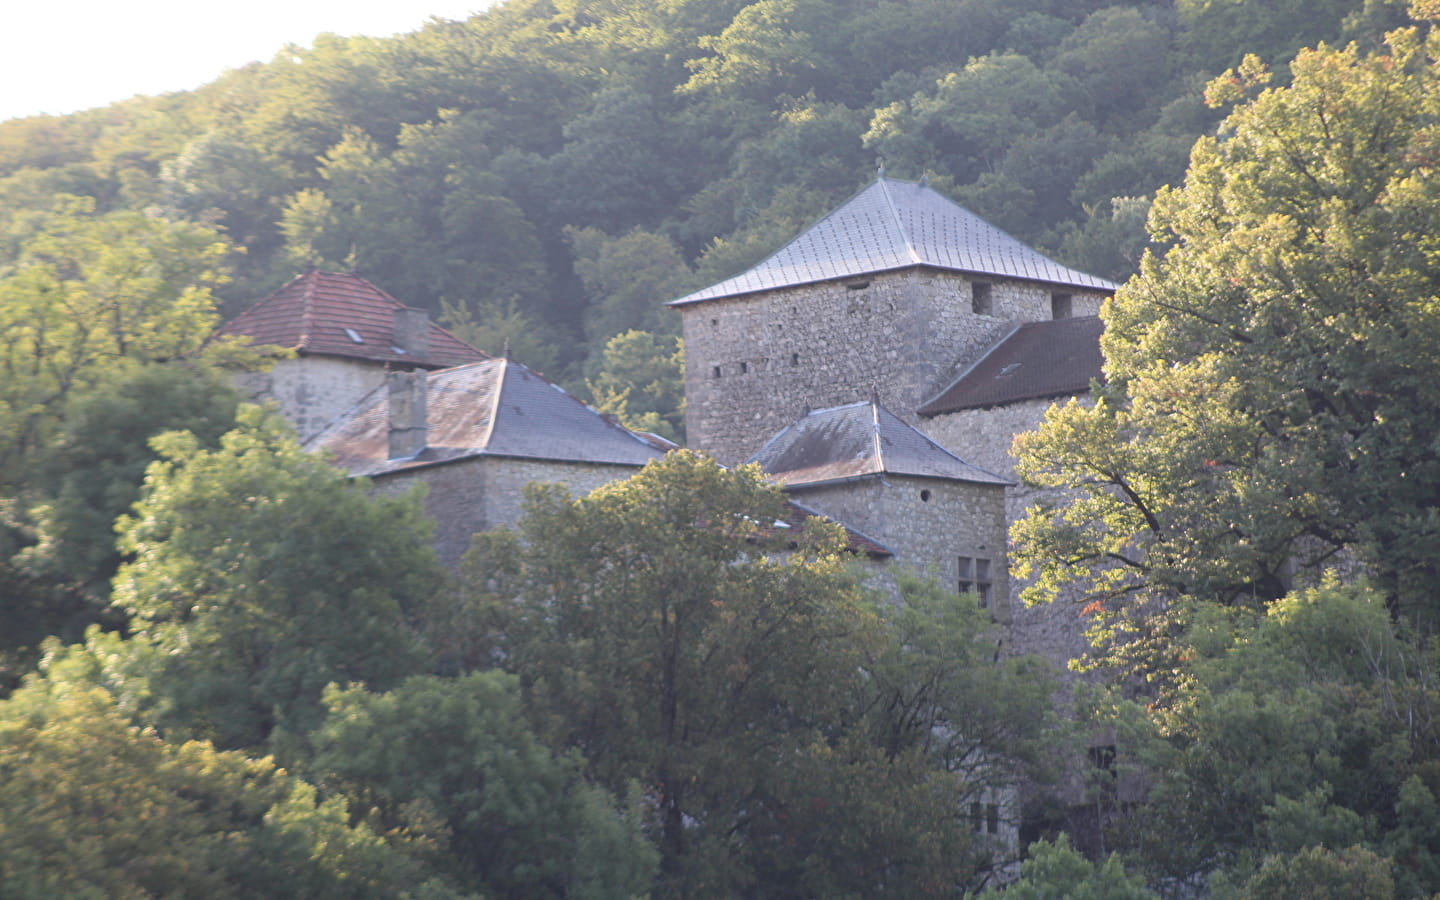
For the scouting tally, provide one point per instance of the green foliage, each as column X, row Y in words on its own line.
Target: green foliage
column 259, row 575
column 1056, row 870
column 92, row 472
column 85, row 292
column 447, row 164
column 513, row 820
column 662, row 628
column 1319, row 873
column 1269, row 392
column 642, row 382
column 1307, row 726
column 93, row 806
column 627, row 280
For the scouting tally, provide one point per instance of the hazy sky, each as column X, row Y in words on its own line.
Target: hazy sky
column 58, row 56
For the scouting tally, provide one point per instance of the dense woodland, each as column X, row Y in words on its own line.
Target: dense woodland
column 230, row 671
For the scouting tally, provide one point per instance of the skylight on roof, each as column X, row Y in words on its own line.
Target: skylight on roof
column 354, row 335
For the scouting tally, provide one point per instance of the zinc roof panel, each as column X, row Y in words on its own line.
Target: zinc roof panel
column 857, row 440
column 895, row 224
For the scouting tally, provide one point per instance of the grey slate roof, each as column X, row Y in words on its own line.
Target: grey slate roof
column 895, row 224
column 1035, row 361
column 858, row 440
column 493, row 408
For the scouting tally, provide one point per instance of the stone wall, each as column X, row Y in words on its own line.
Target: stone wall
column 754, row 363
column 929, row 523
column 983, row 437
column 312, row 391
column 485, row 492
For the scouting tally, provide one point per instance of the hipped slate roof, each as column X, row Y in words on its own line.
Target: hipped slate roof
column 895, row 224
column 334, row 314
column 491, row 408
column 1035, row 361
column 858, row 440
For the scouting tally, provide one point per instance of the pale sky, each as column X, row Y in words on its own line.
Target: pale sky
column 59, row 56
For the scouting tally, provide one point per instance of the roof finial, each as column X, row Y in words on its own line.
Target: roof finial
column 874, row 395
column 925, row 180
column 505, row 353
column 880, row 166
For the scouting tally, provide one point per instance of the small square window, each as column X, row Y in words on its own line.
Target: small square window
column 1060, row 306
column 714, row 371
column 980, row 298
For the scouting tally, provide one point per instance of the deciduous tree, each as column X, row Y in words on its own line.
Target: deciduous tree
column 1270, row 400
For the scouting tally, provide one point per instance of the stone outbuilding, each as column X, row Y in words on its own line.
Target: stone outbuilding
column 345, row 334
column 859, row 464
column 476, row 435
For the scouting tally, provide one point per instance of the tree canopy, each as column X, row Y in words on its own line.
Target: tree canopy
column 1268, row 411
column 665, row 627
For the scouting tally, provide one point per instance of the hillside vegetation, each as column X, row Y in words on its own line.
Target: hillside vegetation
column 227, row 669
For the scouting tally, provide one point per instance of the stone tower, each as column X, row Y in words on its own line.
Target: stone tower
column 894, row 292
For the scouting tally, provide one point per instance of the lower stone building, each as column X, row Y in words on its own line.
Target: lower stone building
column 860, row 465
column 475, row 435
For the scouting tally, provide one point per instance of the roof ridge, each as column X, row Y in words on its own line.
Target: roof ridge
column 877, row 444
column 895, row 216
column 495, row 399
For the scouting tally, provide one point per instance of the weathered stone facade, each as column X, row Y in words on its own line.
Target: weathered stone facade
column 484, row 492
column 312, row 391
column 931, row 524
column 1055, row 630
column 755, row 362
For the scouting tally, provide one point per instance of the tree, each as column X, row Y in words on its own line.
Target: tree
column 93, row 470
column 791, row 738
column 1308, row 725
column 510, row 818
column 259, row 575
column 86, row 292
column 642, row 381
column 92, row 805
column 1057, row 870
column 1269, row 402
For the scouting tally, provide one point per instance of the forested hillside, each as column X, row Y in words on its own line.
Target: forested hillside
column 228, row 670
column 547, row 171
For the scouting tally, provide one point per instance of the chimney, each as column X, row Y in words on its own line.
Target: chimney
column 410, row 331
column 408, row 425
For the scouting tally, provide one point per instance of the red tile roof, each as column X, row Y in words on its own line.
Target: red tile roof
column 1035, row 361
column 334, row 314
